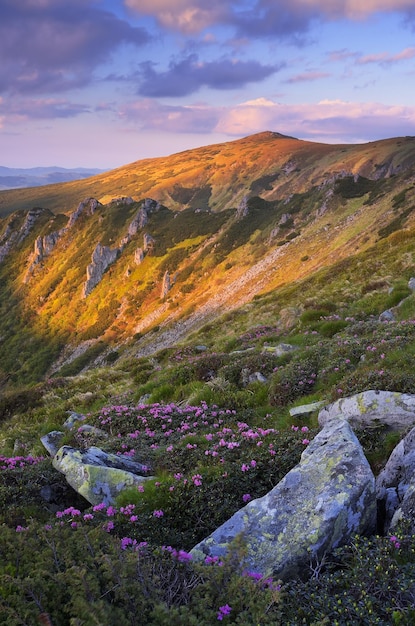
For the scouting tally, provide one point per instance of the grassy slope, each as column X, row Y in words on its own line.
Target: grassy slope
column 322, row 293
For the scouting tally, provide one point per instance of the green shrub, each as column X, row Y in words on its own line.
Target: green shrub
column 368, row 582
column 332, row 327
column 397, row 295
column 313, row 315
column 19, row 401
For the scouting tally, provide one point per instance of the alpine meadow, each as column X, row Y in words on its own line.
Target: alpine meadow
column 193, row 319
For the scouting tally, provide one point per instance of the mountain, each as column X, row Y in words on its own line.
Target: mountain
column 134, row 260
column 16, row 178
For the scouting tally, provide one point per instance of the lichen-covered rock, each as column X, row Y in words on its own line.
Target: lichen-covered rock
column 72, row 419
column 97, row 475
column 52, row 441
column 396, row 478
column 306, row 409
column 326, row 499
column 406, row 511
column 396, row 410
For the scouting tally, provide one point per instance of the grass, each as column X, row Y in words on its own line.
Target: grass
column 200, row 404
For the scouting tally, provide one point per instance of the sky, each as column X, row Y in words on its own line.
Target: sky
column 103, row 83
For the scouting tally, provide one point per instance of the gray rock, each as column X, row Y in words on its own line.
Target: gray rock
column 319, row 505
column 257, row 377
column 148, row 242
column 138, row 256
column 166, row 284
column 243, row 208
column 93, row 431
column 306, row 409
column 279, row 350
column 89, row 206
column 52, row 441
column 394, row 409
column 97, row 475
column 411, row 284
column 406, row 512
column 396, row 477
column 73, row 419
column 102, row 258
column 387, row 316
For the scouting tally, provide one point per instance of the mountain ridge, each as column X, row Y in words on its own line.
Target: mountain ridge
column 211, row 176
column 138, row 274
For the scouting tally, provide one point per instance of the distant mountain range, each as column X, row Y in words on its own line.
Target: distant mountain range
column 17, row 178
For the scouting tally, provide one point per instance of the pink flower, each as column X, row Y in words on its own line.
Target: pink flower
column 246, row 497
column 305, row 442
column 223, row 611
column 158, row 513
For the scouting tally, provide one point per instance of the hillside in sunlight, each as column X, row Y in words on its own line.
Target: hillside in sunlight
column 135, row 260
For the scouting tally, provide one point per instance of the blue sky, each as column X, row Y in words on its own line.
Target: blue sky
column 102, row 83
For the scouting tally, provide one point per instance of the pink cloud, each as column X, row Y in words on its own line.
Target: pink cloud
column 187, row 16
column 385, row 58
column 307, row 76
column 331, row 121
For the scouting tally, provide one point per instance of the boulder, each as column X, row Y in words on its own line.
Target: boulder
column 279, row 349
column 319, row 505
column 393, row 409
column 97, row 475
column 52, row 441
column 306, row 409
column 396, row 480
column 406, row 511
column 73, row 419
column 387, row 316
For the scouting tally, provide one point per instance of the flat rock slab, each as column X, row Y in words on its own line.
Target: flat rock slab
column 97, row 475
column 393, row 409
column 306, row 409
column 319, row 505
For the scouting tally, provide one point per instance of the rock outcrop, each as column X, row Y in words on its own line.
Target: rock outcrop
column 166, row 284
column 394, row 409
column 318, row 506
column 15, row 233
column 97, row 475
column 395, row 484
column 87, row 206
column 102, row 258
column 138, row 256
column 43, row 247
column 148, row 243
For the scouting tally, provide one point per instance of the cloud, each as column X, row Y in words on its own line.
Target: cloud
column 384, row 58
column 54, row 45
column 331, row 121
column 188, row 75
column 186, row 16
column 328, row 120
column 47, row 108
column 260, row 18
column 151, row 115
column 307, row 76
